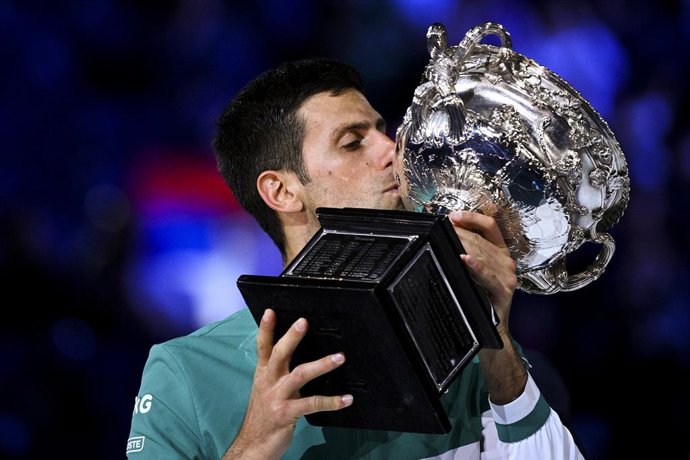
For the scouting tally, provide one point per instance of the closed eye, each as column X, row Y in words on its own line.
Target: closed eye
column 354, row 134
column 354, row 145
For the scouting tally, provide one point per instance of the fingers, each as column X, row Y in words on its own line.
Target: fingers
column 283, row 349
column 499, row 280
column 264, row 339
column 276, row 358
column 475, row 222
column 309, row 371
column 481, row 237
column 488, row 257
column 319, row 403
column 275, row 403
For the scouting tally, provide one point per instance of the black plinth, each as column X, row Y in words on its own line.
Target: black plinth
column 389, row 290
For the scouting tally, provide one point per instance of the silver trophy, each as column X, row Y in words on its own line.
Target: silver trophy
column 492, row 131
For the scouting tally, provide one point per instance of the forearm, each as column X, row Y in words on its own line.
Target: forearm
column 240, row 450
column 503, row 370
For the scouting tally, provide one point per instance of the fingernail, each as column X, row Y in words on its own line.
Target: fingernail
column 265, row 316
column 301, row 325
column 346, row 399
column 338, row 358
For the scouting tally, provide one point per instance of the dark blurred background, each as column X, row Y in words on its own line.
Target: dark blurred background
column 118, row 233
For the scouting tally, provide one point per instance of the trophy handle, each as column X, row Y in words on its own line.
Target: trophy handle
column 437, row 39
column 594, row 271
column 556, row 278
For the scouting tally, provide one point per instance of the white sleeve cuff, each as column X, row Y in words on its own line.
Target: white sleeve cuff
column 520, row 408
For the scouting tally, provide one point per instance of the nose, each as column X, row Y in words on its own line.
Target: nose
column 385, row 151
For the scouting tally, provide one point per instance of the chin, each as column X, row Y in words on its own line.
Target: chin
column 397, row 205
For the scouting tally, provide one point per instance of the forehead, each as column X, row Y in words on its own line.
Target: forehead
column 325, row 114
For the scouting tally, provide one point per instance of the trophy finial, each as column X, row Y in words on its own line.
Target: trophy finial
column 436, row 39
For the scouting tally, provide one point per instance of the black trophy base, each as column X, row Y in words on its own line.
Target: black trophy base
column 388, row 289
column 388, row 394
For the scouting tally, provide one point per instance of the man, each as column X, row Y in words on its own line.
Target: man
column 300, row 137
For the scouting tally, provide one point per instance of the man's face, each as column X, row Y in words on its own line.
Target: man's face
column 347, row 154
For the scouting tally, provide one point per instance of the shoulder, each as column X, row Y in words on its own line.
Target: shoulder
column 227, row 340
column 179, row 372
column 239, row 324
column 233, row 330
column 179, row 407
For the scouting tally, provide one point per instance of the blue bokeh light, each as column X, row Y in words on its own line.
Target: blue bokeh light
column 74, row 339
column 590, row 58
column 426, row 12
column 14, row 436
column 649, row 118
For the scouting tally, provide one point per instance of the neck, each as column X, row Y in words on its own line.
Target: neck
column 298, row 231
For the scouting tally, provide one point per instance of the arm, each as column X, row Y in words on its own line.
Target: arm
column 489, row 261
column 520, row 423
column 275, row 404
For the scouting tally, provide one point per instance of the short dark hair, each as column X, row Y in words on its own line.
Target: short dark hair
column 259, row 130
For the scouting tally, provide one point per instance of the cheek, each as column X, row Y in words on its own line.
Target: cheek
column 345, row 175
column 353, row 181
column 399, row 173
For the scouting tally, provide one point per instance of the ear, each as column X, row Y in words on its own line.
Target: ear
column 280, row 191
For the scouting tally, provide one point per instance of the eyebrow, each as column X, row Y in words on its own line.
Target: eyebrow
column 360, row 125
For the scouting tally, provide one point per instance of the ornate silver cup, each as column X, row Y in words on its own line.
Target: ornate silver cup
column 490, row 130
